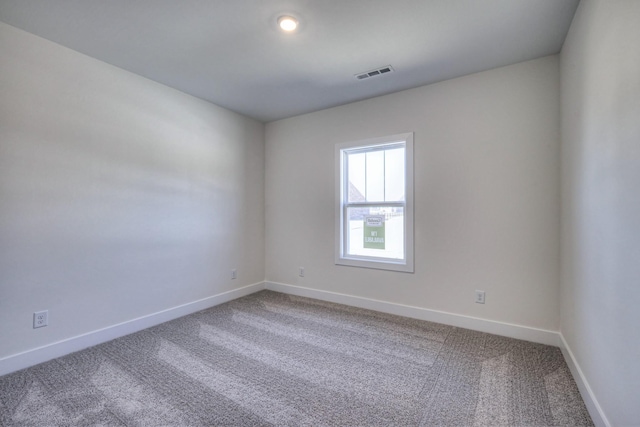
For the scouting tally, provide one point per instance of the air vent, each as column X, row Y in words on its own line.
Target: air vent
column 374, row 73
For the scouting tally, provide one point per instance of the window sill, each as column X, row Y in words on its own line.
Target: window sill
column 378, row 265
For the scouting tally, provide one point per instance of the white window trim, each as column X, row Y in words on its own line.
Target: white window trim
column 405, row 265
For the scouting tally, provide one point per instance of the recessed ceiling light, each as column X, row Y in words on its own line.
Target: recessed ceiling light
column 288, row 23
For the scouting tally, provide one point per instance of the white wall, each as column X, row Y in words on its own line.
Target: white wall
column 119, row 197
column 487, row 185
column 600, row 65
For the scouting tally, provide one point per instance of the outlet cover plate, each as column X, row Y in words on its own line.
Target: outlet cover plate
column 40, row 319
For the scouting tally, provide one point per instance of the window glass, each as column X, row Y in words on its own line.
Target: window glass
column 357, row 182
column 374, row 213
column 394, row 174
column 375, row 176
column 376, row 232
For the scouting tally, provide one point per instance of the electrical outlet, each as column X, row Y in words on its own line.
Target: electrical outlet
column 301, row 272
column 234, row 274
column 40, row 319
column 480, row 297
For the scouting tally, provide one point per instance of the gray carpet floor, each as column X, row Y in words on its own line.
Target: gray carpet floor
column 275, row 359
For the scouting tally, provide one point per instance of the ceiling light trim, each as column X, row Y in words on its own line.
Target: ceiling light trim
column 288, row 23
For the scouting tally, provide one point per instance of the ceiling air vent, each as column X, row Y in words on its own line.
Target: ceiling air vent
column 373, row 73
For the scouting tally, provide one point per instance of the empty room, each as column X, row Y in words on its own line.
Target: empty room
column 320, row 213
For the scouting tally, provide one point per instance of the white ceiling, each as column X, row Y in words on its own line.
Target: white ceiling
column 231, row 53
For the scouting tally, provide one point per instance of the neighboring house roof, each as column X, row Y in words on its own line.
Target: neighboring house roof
column 355, row 195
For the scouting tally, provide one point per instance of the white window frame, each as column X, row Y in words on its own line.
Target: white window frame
column 341, row 191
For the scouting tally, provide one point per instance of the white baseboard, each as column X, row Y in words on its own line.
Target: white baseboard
column 526, row 333
column 595, row 410
column 51, row 351
column 42, row 354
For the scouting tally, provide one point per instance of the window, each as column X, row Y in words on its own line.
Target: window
column 374, row 209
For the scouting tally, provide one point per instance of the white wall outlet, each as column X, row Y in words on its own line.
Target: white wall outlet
column 480, row 297
column 301, row 271
column 40, row 319
column 234, row 273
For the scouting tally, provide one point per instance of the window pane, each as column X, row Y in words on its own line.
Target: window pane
column 375, row 176
column 375, row 189
column 394, row 175
column 356, row 171
column 375, row 232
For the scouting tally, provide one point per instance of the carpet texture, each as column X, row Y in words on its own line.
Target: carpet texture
column 281, row 360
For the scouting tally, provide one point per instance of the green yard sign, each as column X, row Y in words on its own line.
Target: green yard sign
column 374, row 231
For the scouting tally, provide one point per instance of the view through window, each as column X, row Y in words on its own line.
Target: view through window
column 375, row 227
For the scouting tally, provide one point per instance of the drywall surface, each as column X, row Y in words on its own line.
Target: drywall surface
column 600, row 69
column 487, row 185
column 119, row 197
